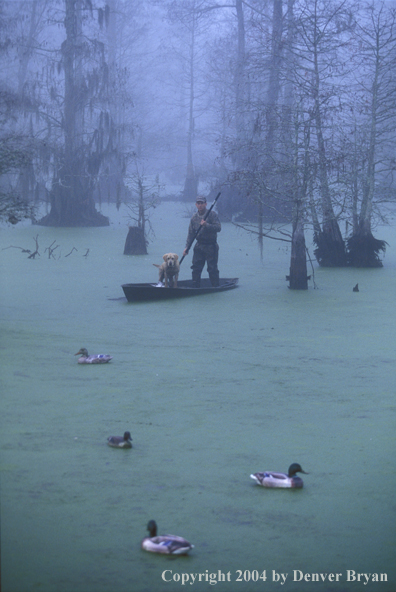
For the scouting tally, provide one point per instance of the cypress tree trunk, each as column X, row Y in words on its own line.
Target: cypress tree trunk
column 362, row 248
column 71, row 197
column 298, row 266
column 330, row 251
column 298, row 279
column 135, row 243
column 191, row 182
column 239, row 86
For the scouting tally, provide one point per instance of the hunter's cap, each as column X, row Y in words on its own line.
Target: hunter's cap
column 200, row 199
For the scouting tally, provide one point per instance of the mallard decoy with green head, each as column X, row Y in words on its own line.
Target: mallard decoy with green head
column 94, row 359
column 281, row 480
column 169, row 544
column 124, row 441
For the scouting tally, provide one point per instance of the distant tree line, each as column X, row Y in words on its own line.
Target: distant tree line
column 288, row 106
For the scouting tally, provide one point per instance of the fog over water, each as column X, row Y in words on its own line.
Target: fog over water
column 212, row 389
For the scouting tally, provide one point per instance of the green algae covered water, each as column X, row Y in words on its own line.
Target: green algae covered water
column 212, row 389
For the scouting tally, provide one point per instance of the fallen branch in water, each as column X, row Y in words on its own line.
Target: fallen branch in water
column 36, row 252
column 73, row 249
column 13, row 247
column 51, row 250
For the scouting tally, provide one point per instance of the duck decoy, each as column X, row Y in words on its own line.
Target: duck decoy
column 124, row 441
column 167, row 543
column 270, row 479
column 94, row 359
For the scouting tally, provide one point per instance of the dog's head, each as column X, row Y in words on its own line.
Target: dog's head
column 170, row 259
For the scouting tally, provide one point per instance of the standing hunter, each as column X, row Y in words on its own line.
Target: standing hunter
column 206, row 247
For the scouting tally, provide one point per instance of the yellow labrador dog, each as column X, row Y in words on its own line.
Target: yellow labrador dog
column 169, row 270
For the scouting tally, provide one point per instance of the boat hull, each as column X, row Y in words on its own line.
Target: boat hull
column 185, row 288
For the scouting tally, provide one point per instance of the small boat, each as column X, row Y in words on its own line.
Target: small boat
column 146, row 292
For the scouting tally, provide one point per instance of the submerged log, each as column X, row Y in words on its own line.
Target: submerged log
column 135, row 243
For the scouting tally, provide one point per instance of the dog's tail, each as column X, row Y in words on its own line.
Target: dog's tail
column 155, row 265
